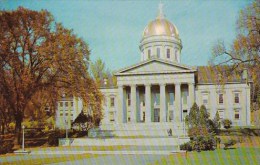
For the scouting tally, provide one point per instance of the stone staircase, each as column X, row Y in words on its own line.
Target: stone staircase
column 134, row 134
column 145, row 141
column 144, row 129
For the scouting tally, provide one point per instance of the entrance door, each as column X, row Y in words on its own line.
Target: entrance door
column 156, row 115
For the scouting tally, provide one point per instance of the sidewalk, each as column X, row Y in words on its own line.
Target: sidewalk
column 123, row 152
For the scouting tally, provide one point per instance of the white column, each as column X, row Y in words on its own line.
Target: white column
column 191, row 94
column 147, row 103
column 121, row 118
column 133, row 103
column 106, row 111
column 162, row 103
column 177, row 110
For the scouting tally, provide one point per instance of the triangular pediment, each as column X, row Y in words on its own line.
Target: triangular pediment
column 155, row 66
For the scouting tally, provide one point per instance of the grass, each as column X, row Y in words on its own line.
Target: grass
column 56, row 158
column 246, row 151
column 237, row 156
column 53, row 159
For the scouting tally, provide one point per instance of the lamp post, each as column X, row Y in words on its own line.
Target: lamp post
column 23, row 138
column 23, row 150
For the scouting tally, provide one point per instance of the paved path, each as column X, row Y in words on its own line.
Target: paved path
column 123, row 152
column 126, row 155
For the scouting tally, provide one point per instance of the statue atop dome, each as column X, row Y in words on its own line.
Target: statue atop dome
column 160, row 13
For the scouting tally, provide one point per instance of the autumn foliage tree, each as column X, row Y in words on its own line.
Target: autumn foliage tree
column 244, row 52
column 39, row 56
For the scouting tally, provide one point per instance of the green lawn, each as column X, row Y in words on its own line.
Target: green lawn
column 246, row 152
column 236, row 156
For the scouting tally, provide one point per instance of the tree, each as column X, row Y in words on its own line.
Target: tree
column 200, row 130
column 216, row 122
column 227, row 123
column 192, row 118
column 85, row 122
column 40, row 57
column 100, row 73
column 198, row 117
column 203, row 116
column 244, row 52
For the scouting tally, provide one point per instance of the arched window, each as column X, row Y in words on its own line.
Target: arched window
column 149, row 53
column 168, row 53
column 158, row 52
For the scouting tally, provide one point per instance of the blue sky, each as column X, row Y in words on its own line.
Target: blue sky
column 113, row 29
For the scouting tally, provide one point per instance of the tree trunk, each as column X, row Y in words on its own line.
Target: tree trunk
column 18, row 128
column 3, row 128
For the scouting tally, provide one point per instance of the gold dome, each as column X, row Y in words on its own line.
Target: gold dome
column 160, row 27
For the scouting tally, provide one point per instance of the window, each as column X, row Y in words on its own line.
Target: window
column 157, row 98
column 143, row 117
column 237, row 117
column 61, row 104
column 128, row 99
column 171, row 95
column 142, row 99
column 149, row 53
column 170, row 115
column 111, row 116
column 184, row 114
column 236, row 98
column 184, row 97
column 71, row 103
column 220, row 99
column 168, row 53
column 221, row 114
column 112, row 102
column 66, row 114
column 205, row 99
column 61, row 114
column 158, row 52
column 66, row 104
column 71, row 114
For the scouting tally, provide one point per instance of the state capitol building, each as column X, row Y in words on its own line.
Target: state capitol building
column 158, row 92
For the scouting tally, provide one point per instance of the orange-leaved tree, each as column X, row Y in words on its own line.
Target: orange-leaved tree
column 38, row 55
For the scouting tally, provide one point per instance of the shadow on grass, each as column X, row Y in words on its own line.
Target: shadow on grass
column 230, row 148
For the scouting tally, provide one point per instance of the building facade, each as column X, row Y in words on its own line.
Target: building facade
column 67, row 110
column 160, row 90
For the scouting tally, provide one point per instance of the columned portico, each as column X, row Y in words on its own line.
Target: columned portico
column 148, row 103
column 177, row 111
column 133, row 104
column 162, row 103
